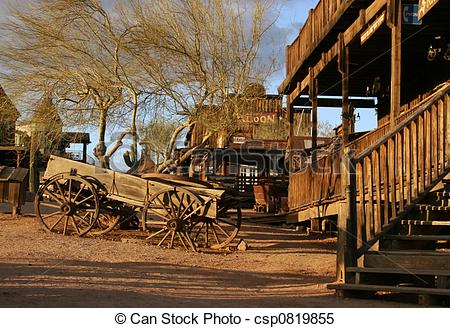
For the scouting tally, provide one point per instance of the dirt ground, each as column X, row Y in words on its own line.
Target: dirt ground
column 282, row 268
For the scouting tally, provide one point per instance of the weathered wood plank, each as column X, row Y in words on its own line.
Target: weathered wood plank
column 396, row 60
column 377, row 167
column 415, row 158
column 446, row 129
column 370, row 209
column 392, row 176
column 361, row 208
column 401, row 170
column 385, row 176
column 407, row 159
column 441, row 137
column 422, row 151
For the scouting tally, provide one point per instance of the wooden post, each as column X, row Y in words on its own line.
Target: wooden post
column 34, row 174
column 346, row 243
column 395, row 23
column 290, row 144
column 84, row 152
column 343, row 63
column 313, row 91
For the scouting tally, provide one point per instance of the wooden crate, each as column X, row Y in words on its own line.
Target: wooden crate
column 13, row 187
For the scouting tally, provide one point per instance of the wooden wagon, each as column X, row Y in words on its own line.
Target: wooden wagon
column 78, row 199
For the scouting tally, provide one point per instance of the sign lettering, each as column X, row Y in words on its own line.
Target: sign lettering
column 259, row 118
column 411, row 15
column 425, row 6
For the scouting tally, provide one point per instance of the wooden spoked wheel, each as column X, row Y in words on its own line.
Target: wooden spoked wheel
column 67, row 204
column 168, row 216
column 105, row 223
column 107, row 220
column 216, row 233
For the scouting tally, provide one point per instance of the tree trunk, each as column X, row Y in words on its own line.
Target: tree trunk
column 33, row 175
column 171, row 163
column 173, row 139
column 100, row 149
column 134, row 144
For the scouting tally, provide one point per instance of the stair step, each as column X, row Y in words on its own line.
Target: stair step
column 417, row 272
column 392, row 289
column 432, row 260
column 425, row 223
column 442, row 194
column 417, row 237
column 410, row 253
column 427, row 207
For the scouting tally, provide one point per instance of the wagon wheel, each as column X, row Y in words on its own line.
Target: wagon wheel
column 98, row 186
column 130, row 218
column 67, row 205
column 216, row 233
column 105, row 223
column 168, row 216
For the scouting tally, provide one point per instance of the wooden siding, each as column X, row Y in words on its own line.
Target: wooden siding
column 269, row 104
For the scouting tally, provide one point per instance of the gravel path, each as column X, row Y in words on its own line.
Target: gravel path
column 280, row 269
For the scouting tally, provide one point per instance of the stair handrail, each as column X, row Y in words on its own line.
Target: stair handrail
column 443, row 89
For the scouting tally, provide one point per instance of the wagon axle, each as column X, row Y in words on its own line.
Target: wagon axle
column 176, row 225
column 67, row 209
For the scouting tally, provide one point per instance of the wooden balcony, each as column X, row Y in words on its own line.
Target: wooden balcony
column 324, row 23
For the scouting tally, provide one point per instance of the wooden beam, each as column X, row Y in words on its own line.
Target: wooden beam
column 324, row 101
column 346, row 243
column 295, row 95
column 349, row 35
column 313, row 89
column 12, row 148
column 341, row 8
column 34, row 175
column 425, row 6
column 395, row 19
column 290, row 145
column 344, row 69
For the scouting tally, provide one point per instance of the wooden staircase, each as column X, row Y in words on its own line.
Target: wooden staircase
column 394, row 229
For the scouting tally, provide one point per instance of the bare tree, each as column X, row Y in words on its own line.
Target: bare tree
column 201, row 55
column 156, row 136
column 95, row 65
column 75, row 51
column 325, row 129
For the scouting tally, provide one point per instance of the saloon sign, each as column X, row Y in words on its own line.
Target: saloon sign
column 258, row 118
column 425, row 6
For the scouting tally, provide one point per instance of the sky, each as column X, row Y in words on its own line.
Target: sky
column 292, row 15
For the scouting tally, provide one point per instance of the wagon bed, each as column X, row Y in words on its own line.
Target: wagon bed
column 77, row 198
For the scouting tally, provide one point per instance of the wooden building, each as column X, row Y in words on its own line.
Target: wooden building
column 254, row 150
column 8, row 118
column 9, row 114
column 388, row 187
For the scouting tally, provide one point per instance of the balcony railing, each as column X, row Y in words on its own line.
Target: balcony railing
column 320, row 21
